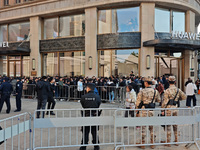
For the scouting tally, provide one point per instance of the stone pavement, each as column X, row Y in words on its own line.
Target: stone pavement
column 29, row 105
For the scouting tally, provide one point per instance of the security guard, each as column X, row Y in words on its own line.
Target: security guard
column 43, row 89
column 19, row 87
column 6, row 90
column 146, row 100
column 171, row 99
column 90, row 100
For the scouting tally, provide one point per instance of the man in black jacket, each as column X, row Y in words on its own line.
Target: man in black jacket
column 90, row 100
column 43, row 89
column 6, row 90
column 135, row 86
column 19, row 88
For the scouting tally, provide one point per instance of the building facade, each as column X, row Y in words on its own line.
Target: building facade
column 100, row 38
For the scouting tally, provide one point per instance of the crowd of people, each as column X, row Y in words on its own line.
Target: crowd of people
column 141, row 93
column 107, row 88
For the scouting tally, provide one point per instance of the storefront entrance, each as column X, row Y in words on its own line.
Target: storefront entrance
column 170, row 65
column 15, row 66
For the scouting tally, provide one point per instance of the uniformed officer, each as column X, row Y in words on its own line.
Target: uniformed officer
column 19, row 88
column 90, row 100
column 171, row 99
column 43, row 89
column 6, row 90
column 146, row 100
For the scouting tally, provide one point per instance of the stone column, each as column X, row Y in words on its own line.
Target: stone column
column 36, row 34
column 91, row 41
column 147, row 33
column 187, row 54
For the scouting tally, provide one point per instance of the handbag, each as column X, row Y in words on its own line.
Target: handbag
column 132, row 105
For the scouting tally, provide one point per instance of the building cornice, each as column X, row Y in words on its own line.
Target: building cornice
column 44, row 8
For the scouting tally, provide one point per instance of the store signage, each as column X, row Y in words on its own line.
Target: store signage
column 185, row 35
column 4, row 44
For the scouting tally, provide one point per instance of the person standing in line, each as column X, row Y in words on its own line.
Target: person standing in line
column 51, row 101
column 130, row 100
column 190, row 88
column 90, row 100
column 6, row 90
column 80, row 87
column 19, row 88
column 160, row 89
column 43, row 89
column 146, row 99
column 171, row 99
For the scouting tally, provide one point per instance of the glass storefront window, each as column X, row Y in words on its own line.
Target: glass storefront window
column 3, row 33
column 162, row 20
column 118, row 20
column 50, row 64
column 19, row 32
column 26, row 66
column 118, row 62
column 72, row 63
column 3, row 65
column 50, row 28
column 72, row 26
column 178, row 21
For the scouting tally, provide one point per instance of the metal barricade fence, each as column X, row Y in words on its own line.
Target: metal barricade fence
column 62, row 93
column 28, row 91
column 107, row 93
column 66, row 127
column 134, row 131
column 197, row 115
column 15, row 133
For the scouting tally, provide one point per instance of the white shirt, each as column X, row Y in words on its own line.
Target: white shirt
column 80, row 86
column 190, row 89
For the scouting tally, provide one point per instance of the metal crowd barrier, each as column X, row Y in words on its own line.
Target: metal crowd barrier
column 134, row 131
column 107, row 93
column 28, row 91
column 197, row 116
column 15, row 133
column 65, row 128
column 65, row 92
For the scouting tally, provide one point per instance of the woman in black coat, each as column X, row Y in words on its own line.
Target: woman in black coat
column 51, row 101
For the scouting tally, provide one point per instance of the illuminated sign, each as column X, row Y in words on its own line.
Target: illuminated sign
column 185, row 35
column 4, row 44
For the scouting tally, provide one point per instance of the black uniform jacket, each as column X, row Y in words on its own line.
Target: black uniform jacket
column 43, row 90
column 90, row 100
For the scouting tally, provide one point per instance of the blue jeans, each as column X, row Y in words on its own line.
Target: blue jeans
column 111, row 94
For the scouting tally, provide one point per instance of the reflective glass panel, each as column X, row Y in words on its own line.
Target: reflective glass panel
column 26, row 66
column 72, row 26
column 3, row 65
column 19, row 32
column 50, row 64
column 72, row 63
column 162, row 20
column 3, row 33
column 125, row 20
column 50, row 28
column 118, row 20
column 178, row 21
column 118, row 62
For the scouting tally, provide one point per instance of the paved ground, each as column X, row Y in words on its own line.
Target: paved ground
column 30, row 105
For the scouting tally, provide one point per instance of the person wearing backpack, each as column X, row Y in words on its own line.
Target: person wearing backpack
column 171, row 100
